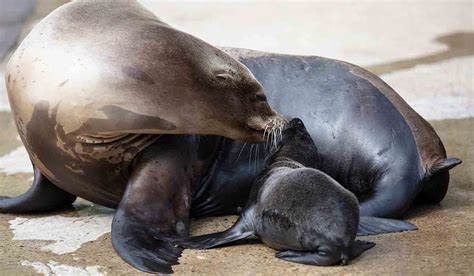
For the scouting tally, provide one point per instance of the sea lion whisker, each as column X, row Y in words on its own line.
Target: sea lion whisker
column 280, row 128
column 250, row 155
column 268, row 141
column 274, row 130
column 240, row 153
column 256, row 156
column 267, row 127
column 265, row 135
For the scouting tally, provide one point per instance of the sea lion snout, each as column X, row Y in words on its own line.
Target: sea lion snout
column 294, row 123
column 296, row 143
column 266, row 129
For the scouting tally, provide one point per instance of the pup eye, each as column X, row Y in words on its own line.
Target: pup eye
column 323, row 253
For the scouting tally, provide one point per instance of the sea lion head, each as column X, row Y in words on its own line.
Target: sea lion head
column 198, row 88
column 336, row 225
column 327, row 218
column 227, row 99
column 142, row 76
column 296, row 144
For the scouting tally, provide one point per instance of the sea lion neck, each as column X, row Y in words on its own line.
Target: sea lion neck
column 279, row 162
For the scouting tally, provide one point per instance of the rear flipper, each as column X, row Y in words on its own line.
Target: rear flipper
column 43, row 196
column 436, row 181
column 393, row 193
column 240, row 230
column 374, row 226
column 326, row 258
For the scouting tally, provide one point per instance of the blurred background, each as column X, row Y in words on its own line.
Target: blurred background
column 423, row 49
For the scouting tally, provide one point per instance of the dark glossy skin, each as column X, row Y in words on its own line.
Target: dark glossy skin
column 369, row 140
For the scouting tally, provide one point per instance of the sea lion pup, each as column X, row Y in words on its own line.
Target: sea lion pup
column 296, row 209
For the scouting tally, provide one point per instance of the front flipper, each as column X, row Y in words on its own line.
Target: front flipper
column 374, row 226
column 240, row 230
column 358, row 247
column 43, row 196
column 142, row 246
column 155, row 206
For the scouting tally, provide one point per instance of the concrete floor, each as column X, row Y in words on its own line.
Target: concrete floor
column 424, row 51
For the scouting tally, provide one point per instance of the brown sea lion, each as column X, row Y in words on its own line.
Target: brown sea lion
column 97, row 89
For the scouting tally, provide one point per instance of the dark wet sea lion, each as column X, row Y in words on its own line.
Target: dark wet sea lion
column 369, row 139
column 96, row 89
column 296, row 209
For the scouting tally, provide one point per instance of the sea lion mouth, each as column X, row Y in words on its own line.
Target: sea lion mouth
column 256, row 130
column 269, row 130
column 257, row 134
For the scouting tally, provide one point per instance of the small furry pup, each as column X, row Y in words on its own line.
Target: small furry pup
column 296, row 209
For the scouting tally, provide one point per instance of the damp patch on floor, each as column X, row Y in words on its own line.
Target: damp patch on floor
column 449, row 95
column 54, row 268
column 66, row 234
column 17, row 161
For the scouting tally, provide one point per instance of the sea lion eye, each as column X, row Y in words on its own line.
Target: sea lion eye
column 323, row 251
column 224, row 76
column 260, row 97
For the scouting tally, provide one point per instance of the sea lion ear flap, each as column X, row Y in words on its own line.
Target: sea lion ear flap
column 358, row 247
column 445, row 165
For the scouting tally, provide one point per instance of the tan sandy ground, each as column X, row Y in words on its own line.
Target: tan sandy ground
column 443, row 244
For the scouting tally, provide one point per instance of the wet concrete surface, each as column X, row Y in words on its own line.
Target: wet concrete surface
column 443, row 244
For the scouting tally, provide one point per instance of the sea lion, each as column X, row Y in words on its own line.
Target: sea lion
column 369, row 139
column 298, row 210
column 96, row 90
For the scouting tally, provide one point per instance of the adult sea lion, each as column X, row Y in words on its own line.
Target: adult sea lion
column 296, row 209
column 96, row 89
column 369, row 139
